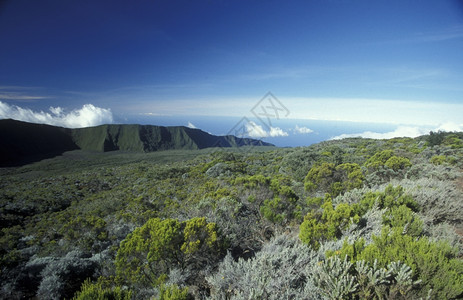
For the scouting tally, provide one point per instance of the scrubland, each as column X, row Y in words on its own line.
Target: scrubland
column 345, row 219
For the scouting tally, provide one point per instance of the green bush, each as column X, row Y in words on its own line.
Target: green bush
column 379, row 159
column 148, row 253
column 319, row 176
column 327, row 177
column 329, row 225
column 391, row 197
column 438, row 159
column 351, row 176
column 435, row 138
column 273, row 210
column 454, row 141
column 403, row 217
column 386, row 158
column 434, row 264
column 172, row 292
column 311, row 231
column 398, row 163
column 96, row 291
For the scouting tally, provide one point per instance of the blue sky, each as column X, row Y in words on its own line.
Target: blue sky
column 398, row 62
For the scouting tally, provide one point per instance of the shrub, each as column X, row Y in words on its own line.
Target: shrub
column 379, row 159
column 329, row 226
column 370, row 224
column 403, row 217
column 342, row 279
column 273, row 210
column 438, row 159
column 351, row 176
column 311, row 231
column 444, row 232
column 334, row 278
column 172, row 292
column 281, row 270
column 218, row 170
column 149, row 250
column 273, row 197
column 147, row 254
column 397, row 163
column 96, row 291
column 435, row 138
column 385, row 165
column 426, row 170
column 62, row 277
column 319, row 176
column 435, row 264
column 453, row 140
column 439, row 201
column 391, row 197
column 239, row 221
column 328, row 177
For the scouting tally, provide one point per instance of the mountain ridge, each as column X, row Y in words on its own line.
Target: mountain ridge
column 23, row 142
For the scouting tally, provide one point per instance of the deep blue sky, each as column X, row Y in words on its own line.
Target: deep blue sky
column 373, row 61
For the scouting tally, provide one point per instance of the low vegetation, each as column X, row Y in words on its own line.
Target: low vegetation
column 348, row 219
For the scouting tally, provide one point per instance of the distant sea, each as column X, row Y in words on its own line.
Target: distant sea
column 320, row 130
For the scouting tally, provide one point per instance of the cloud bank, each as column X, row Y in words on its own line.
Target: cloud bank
column 256, row 131
column 88, row 115
column 402, row 131
column 368, row 110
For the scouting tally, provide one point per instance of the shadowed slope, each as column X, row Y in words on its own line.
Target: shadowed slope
column 22, row 142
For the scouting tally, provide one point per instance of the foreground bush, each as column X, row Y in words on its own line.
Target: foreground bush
column 96, row 291
column 147, row 255
column 281, row 270
column 342, row 279
column 435, row 265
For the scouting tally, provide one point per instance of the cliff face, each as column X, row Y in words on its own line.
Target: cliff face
column 21, row 142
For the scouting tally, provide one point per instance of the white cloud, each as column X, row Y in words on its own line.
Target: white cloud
column 402, row 131
column 56, row 110
column 302, row 130
column 88, row 115
column 277, row 131
column 191, row 125
column 449, row 126
column 256, row 131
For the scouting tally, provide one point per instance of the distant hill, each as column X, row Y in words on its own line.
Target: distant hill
column 22, row 142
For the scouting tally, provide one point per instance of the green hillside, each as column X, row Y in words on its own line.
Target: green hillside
column 24, row 142
column 108, row 138
column 148, row 138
